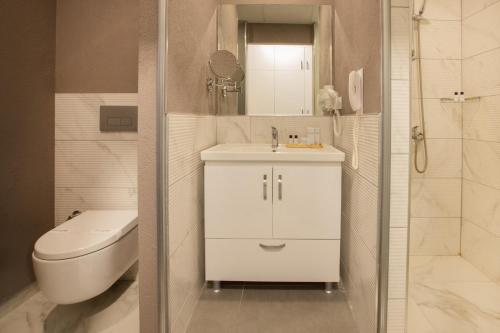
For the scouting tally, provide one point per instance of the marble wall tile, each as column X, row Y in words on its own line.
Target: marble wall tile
column 188, row 136
column 261, row 128
column 481, row 205
column 359, row 203
column 441, row 9
column 400, row 43
column 481, row 248
column 435, row 236
column 399, row 190
column 360, row 220
column 442, row 120
column 481, row 32
column 443, row 270
column 481, row 161
column 96, row 164
column 444, row 158
column 94, row 170
column 441, row 78
column 358, row 271
column 417, row 323
column 69, row 199
column 398, row 256
column 77, row 116
column 233, row 129
column 186, row 273
column 440, row 39
column 369, row 136
column 435, row 197
column 482, row 119
column 185, row 208
column 482, row 74
column 471, row 7
column 400, row 117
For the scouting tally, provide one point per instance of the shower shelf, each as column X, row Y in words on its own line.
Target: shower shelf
column 467, row 100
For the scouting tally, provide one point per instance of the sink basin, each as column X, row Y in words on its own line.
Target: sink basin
column 264, row 152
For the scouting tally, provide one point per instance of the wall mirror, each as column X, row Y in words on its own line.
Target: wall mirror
column 285, row 52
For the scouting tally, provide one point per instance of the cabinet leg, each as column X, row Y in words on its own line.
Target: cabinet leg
column 328, row 287
column 216, row 286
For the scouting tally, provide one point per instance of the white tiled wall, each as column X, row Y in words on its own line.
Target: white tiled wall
column 254, row 129
column 93, row 170
column 436, row 194
column 360, row 219
column 481, row 145
column 400, row 159
column 188, row 135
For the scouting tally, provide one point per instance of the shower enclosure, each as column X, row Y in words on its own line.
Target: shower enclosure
column 454, row 229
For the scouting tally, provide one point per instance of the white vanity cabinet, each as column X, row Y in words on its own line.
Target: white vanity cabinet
column 272, row 218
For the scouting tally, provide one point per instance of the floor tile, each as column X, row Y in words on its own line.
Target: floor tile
column 454, row 297
column 273, row 309
column 115, row 311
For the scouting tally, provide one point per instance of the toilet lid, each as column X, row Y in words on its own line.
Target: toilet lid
column 88, row 232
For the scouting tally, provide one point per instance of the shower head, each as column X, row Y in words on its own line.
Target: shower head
column 418, row 16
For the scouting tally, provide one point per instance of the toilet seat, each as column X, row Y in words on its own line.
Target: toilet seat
column 88, row 232
column 83, row 257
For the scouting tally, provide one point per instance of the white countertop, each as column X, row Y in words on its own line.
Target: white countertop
column 263, row 152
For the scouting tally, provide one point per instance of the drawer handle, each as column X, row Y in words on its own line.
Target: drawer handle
column 272, row 247
column 264, row 187
column 280, row 187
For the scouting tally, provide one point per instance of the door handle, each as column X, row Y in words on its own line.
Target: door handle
column 280, row 187
column 264, row 187
column 307, row 65
column 272, row 247
column 301, row 65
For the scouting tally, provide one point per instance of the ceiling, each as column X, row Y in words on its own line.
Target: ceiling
column 285, row 14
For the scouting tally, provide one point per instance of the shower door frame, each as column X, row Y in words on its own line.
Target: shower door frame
column 162, row 170
column 385, row 173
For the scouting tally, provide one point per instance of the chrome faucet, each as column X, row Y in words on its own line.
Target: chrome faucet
column 275, row 143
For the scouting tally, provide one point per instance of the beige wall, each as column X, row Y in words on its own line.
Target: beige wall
column 192, row 38
column 27, row 33
column 96, row 46
column 481, row 132
column 357, row 44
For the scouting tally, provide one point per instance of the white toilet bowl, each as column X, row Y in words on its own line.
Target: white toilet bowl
column 83, row 257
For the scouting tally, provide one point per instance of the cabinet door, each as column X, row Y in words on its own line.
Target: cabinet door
column 289, row 92
column 307, row 201
column 308, row 81
column 289, row 57
column 260, row 80
column 260, row 57
column 238, row 200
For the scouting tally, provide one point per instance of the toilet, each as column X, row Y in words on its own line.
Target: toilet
column 83, row 257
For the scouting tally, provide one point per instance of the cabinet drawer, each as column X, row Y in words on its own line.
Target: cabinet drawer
column 272, row 260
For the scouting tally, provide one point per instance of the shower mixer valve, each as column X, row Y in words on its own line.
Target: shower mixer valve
column 417, row 134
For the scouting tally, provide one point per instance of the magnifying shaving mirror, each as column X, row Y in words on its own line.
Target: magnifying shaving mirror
column 227, row 70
